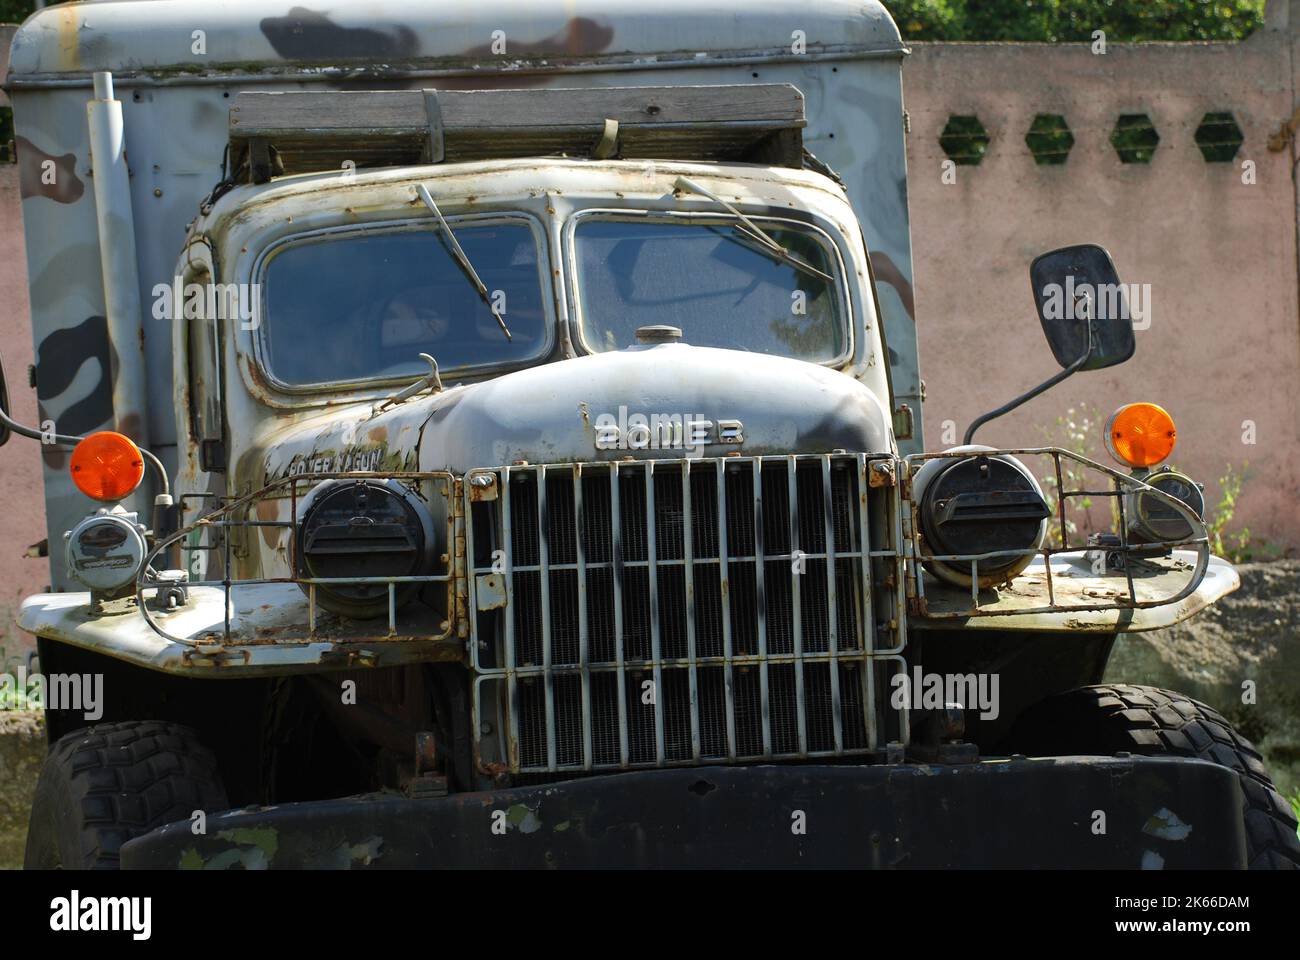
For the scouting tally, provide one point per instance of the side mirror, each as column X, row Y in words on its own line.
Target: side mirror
column 1084, row 313
column 1082, row 306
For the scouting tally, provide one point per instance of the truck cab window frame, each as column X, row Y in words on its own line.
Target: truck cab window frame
column 834, row 263
column 544, row 331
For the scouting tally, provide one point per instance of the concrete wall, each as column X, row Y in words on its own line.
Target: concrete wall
column 23, row 520
column 1223, row 347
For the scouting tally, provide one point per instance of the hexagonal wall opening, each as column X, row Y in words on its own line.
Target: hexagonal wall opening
column 1218, row 137
column 1049, row 139
column 1134, row 138
column 964, row 139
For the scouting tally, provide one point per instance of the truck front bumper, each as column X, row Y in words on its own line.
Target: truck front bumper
column 1118, row 812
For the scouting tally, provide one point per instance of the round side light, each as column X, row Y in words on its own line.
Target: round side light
column 106, row 466
column 1141, row 434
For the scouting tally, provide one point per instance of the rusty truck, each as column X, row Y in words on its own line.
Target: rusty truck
column 491, row 433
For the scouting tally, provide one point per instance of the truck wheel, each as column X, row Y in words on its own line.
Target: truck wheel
column 103, row 785
column 1147, row 720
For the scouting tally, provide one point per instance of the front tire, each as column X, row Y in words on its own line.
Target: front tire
column 106, row 784
column 1113, row 718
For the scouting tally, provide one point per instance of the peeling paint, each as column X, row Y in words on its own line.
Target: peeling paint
column 304, row 34
column 42, row 174
column 523, row 819
column 361, row 854
column 1164, row 823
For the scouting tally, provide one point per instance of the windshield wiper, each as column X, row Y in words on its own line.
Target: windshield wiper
column 764, row 242
column 463, row 260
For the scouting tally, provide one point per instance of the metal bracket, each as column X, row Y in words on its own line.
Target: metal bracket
column 436, row 147
column 904, row 423
column 608, row 142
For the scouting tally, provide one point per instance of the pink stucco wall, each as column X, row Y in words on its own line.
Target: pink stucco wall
column 20, row 467
column 1223, row 348
column 23, row 521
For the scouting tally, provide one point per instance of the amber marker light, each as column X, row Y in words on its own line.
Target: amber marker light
column 106, row 466
column 1140, row 434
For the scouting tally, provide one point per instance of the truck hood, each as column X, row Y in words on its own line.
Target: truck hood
column 554, row 414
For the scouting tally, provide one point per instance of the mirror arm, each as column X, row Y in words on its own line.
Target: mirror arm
column 1047, row 384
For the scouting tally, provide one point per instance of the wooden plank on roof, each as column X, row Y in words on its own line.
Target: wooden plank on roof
column 317, row 130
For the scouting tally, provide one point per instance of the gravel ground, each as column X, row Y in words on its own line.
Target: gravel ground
column 22, row 751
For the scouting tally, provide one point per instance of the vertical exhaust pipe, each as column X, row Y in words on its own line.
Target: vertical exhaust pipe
column 117, row 255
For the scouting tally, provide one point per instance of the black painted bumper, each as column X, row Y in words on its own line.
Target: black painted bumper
column 1158, row 812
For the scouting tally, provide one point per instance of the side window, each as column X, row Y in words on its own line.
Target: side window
column 203, row 352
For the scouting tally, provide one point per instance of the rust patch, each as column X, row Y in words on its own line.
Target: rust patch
column 581, row 36
column 485, row 490
column 131, row 425
column 269, row 510
column 42, row 174
column 880, row 474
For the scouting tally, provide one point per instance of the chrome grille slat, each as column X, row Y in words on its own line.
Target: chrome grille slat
column 724, row 607
column 832, row 607
column 512, row 681
column 544, row 589
column 868, row 603
column 688, row 585
column 796, row 607
column 652, row 587
column 616, row 557
column 705, row 577
column 584, row 652
column 760, row 611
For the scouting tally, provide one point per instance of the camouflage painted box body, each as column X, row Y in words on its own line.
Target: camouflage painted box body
column 654, row 499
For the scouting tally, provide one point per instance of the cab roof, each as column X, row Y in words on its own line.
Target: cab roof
column 481, row 183
column 278, row 38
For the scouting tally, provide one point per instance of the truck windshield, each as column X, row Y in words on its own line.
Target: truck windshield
column 354, row 307
column 709, row 279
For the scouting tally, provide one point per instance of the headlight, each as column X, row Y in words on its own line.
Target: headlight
column 976, row 505
column 105, row 551
column 1153, row 521
column 363, row 528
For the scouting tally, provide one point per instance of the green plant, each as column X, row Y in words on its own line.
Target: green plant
column 11, row 696
column 1076, row 20
column 1295, row 805
column 1240, row 546
column 1078, row 431
column 1231, row 546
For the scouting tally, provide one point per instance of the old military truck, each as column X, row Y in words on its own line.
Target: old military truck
column 506, row 449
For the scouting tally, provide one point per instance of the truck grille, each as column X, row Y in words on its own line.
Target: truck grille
column 670, row 612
